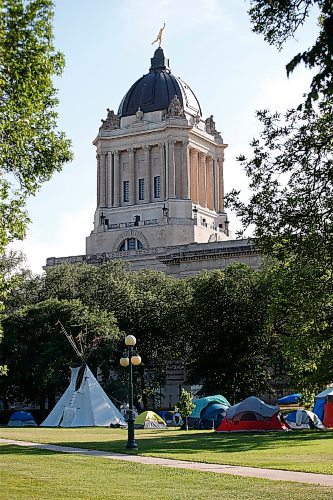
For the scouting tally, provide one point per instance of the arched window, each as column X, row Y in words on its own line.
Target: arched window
column 130, row 244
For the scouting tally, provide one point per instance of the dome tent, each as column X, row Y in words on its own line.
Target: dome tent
column 21, row 419
column 208, row 412
column 252, row 414
column 323, row 407
column 303, row 419
column 149, row 420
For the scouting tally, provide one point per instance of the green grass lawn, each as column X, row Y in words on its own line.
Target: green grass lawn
column 308, row 451
column 28, row 473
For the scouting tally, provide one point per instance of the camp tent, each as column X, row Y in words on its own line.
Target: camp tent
column 303, row 419
column 21, row 419
column 84, row 404
column 323, row 407
column 149, row 420
column 291, row 399
column 171, row 418
column 252, row 414
column 208, row 412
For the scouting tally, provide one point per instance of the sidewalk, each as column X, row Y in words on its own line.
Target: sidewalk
column 274, row 474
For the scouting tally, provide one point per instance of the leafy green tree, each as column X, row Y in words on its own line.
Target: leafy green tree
column 231, row 340
column 291, row 204
column 38, row 355
column 278, row 21
column 185, row 406
column 147, row 304
column 32, row 148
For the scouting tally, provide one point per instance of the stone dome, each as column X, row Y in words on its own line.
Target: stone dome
column 154, row 91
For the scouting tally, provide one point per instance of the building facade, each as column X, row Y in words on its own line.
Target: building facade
column 160, row 184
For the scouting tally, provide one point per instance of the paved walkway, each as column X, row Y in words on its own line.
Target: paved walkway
column 277, row 475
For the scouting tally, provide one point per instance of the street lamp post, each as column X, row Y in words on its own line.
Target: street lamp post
column 130, row 358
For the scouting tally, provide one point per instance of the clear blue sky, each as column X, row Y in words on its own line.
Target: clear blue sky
column 107, row 46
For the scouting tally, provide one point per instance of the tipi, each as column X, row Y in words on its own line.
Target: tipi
column 84, row 403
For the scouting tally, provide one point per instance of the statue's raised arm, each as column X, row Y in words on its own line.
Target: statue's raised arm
column 159, row 36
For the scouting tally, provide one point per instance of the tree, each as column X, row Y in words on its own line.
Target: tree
column 39, row 356
column 291, row 202
column 31, row 147
column 147, row 304
column 231, row 336
column 185, row 406
column 279, row 20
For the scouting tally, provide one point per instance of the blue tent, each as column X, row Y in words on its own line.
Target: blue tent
column 21, row 419
column 291, row 399
column 208, row 412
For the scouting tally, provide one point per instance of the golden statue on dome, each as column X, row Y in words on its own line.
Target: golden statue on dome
column 159, row 37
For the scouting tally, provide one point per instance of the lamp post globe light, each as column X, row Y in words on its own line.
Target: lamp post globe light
column 130, row 357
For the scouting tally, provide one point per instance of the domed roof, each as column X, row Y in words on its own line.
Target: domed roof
column 154, row 91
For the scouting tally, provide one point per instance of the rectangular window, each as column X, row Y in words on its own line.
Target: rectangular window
column 157, row 186
column 141, row 189
column 126, row 190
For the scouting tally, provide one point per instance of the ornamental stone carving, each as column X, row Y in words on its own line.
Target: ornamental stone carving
column 112, row 121
column 139, row 115
column 175, row 108
column 210, row 127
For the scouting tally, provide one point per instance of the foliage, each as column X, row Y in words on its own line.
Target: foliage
column 231, row 337
column 147, row 304
column 38, row 355
column 185, row 405
column 31, row 147
column 291, row 202
column 307, row 399
column 301, row 309
column 279, row 20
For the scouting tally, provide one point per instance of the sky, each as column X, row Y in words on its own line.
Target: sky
column 107, row 47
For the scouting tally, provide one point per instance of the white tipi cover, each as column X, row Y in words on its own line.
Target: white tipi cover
column 88, row 406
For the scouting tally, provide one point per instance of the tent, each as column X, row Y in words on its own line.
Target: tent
column 303, row 419
column 208, row 412
column 323, row 407
column 171, row 418
column 149, row 420
column 291, row 399
column 21, row 419
column 84, row 404
column 252, row 414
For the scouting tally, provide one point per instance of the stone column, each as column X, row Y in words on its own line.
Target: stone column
column 172, row 166
column 185, row 171
column 220, row 184
column 132, row 177
column 116, row 179
column 149, row 181
column 197, row 169
column 215, row 187
column 103, row 180
column 98, row 179
column 162, row 171
column 204, row 168
column 209, row 183
column 109, row 177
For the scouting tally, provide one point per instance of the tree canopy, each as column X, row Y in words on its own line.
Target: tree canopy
column 38, row 355
column 32, row 148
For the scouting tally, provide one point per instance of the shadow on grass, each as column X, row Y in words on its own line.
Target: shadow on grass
column 195, row 442
column 192, row 442
column 11, row 449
